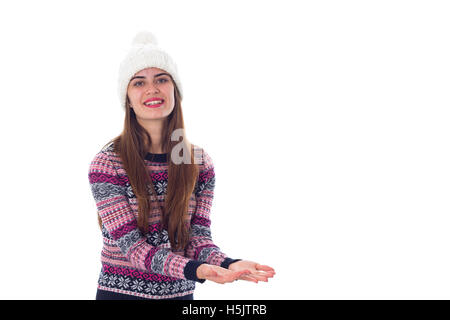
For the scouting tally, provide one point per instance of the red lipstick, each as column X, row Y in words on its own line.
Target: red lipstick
column 148, row 103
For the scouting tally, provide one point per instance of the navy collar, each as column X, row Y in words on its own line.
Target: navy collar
column 156, row 157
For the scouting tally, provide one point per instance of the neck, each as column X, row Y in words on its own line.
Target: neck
column 154, row 129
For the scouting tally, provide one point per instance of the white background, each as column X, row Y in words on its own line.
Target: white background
column 327, row 121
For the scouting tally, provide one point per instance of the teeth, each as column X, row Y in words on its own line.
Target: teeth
column 153, row 102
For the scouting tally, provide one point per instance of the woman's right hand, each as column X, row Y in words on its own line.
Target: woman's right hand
column 219, row 274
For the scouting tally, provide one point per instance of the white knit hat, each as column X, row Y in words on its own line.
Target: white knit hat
column 144, row 54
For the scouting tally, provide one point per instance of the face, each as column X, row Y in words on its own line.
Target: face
column 147, row 85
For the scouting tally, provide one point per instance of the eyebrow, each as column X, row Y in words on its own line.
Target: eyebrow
column 156, row 75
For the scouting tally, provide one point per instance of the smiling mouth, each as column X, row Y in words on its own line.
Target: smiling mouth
column 154, row 104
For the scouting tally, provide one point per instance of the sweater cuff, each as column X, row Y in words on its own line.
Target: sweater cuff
column 190, row 271
column 226, row 263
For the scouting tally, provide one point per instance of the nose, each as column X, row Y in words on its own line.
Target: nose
column 151, row 88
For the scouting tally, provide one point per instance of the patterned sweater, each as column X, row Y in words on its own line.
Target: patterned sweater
column 145, row 265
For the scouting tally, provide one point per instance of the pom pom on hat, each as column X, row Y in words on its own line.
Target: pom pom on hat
column 144, row 38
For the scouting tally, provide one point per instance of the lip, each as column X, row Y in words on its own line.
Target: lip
column 154, row 105
column 153, row 99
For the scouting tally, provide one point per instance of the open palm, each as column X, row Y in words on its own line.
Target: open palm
column 218, row 274
column 258, row 272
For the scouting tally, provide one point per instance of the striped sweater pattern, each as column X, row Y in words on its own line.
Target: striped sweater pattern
column 145, row 265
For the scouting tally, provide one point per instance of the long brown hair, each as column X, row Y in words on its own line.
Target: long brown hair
column 132, row 146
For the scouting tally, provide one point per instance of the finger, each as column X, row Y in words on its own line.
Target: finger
column 248, row 278
column 242, row 272
column 263, row 275
column 264, row 268
column 233, row 276
column 259, row 277
column 268, row 274
column 264, row 272
column 230, row 276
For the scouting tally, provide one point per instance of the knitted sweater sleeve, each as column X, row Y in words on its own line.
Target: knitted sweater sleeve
column 109, row 191
column 201, row 246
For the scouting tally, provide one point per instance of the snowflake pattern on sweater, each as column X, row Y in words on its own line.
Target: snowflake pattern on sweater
column 145, row 265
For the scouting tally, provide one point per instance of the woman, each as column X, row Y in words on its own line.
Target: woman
column 154, row 193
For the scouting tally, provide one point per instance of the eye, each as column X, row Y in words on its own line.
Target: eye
column 162, row 80
column 138, row 83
